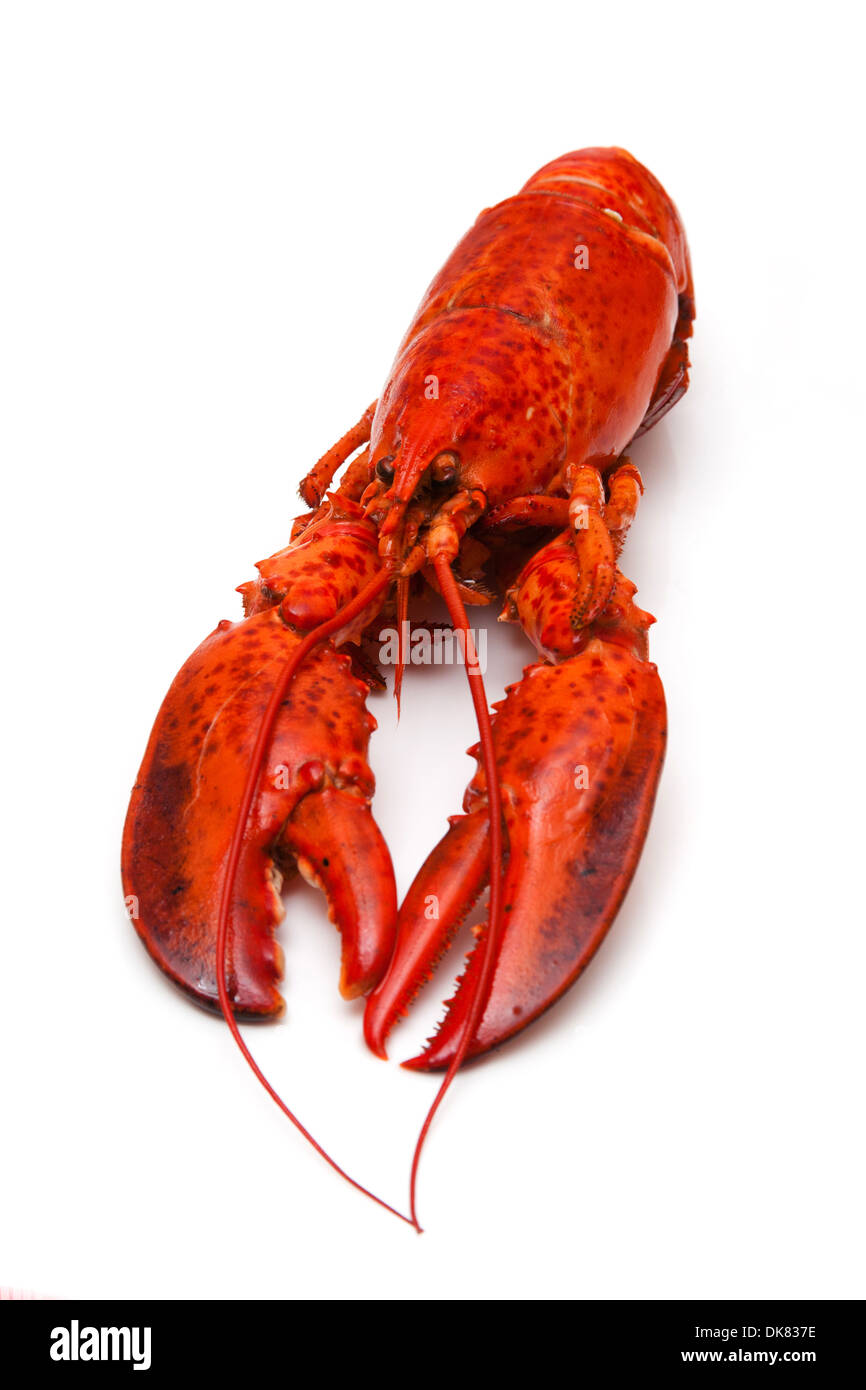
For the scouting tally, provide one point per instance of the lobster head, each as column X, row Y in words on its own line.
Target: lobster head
column 541, row 340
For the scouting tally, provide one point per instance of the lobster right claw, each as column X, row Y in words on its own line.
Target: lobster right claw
column 579, row 749
column 311, row 809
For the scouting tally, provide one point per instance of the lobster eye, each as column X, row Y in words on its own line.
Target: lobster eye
column 443, row 469
column 385, row 469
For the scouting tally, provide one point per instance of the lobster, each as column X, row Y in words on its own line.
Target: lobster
column 493, row 464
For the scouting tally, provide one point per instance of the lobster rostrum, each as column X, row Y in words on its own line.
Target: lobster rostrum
column 493, row 462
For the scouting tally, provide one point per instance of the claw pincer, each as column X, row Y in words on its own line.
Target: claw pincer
column 579, row 750
column 312, row 807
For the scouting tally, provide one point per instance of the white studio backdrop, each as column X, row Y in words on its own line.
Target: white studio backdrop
column 218, row 221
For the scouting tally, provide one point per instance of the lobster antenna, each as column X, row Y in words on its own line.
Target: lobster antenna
column 402, row 621
column 266, row 728
column 457, row 613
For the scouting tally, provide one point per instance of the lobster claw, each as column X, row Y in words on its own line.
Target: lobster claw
column 579, row 749
column 312, row 804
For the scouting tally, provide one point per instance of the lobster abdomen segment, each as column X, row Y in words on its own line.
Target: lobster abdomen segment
column 611, row 179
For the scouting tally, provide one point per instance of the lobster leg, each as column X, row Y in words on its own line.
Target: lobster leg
column 536, row 510
column 541, row 510
column 579, row 747
column 626, row 489
column 313, row 486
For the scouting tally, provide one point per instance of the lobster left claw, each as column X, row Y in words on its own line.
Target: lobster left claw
column 311, row 808
column 579, row 749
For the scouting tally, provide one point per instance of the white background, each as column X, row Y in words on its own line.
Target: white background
column 218, row 220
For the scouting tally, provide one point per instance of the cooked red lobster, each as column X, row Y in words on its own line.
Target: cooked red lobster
column 492, row 464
